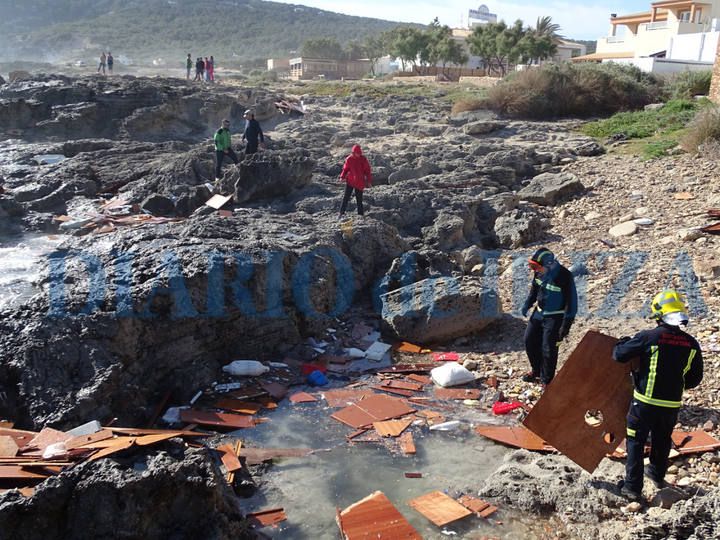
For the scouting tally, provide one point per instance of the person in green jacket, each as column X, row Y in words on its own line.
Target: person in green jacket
column 223, row 147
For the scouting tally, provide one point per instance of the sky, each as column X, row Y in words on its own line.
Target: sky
column 588, row 19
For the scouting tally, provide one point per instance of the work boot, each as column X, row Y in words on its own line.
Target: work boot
column 654, row 477
column 531, row 376
column 628, row 492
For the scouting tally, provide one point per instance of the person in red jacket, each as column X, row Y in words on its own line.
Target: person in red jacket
column 357, row 174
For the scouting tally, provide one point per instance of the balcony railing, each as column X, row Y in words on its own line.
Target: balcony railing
column 615, row 39
column 661, row 25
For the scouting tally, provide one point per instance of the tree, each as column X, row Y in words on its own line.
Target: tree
column 354, row 51
column 545, row 27
column 407, row 44
column 375, row 47
column 322, row 48
column 496, row 44
column 449, row 51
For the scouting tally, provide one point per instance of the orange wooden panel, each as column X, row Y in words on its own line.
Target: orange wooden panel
column 384, row 407
column 120, row 444
column 209, row 418
column 17, row 472
column 8, row 446
column 229, row 457
column 302, row 397
column 375, row 517
column 267, row 518
column 439, row 508
column 694, row 442
column 589, row 380
column 238, row 406
column 83, row 440
column 516, row 436
column 407, row 443
column 391, row 428
column 147, row 440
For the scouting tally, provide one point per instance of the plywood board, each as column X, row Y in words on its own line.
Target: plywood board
column 422, row 379
column 694, row 442
column 16, row 472
column 411, row 348
column 229, row 457
column 302, row 397
column 344, row 397
column 121, row 443
column 396, row 391
column 208, row 418
column 375, row 517
column 354, row 417
column 384, row 407
column 48, row 436
column 439, row 508
column 218, row 201
column 515, row 436
column 404, row 385
column 147, row 440
column 391, row 428
column 589, row 380
column 473, row 503
column 83, row 440
column 266, row 518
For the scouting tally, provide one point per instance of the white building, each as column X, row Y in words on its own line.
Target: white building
column 674, row 35
column 481, row 15
column 567, row 50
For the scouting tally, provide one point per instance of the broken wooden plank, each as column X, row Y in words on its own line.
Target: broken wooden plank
column 457, row 393
column 478, row 506
column 517, row 436
column 409, row 368
column 391, row 428
column 16, row 472
column 238, row 406
column 407, row 443
column 384, row 407
column 302, row 397
column 121, row 443
column 694, row 442
column 422, row 379
column 8, row 447
column 147, row 440
column 141, row 431
column 413, row 475
column 375, row 517
column 439, row 508
column 343, row 397
column 396, row 391
column 266, row 518
column 353, row 416
column 589, row 380
column 82, row 440
column 46, row 437
column 405, row 347
column 229, row 457
column 209, row 418
column 230, row 476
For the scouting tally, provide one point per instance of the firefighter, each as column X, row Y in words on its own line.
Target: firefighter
column 553, row 290
column 670, row 361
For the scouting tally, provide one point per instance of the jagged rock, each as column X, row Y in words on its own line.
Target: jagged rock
column 437, row 310
column 2, row 81
column 447, row 233
column 589, row 149
column 158, row 205
column 464, row 117
column 668, row 496
column 108, row 498
column 424, row 168
column 264, row 176
column 521, row 160
column 548, row 189
column 517, row 229
column 21, row 113
column 18, row 75
column 483, row 127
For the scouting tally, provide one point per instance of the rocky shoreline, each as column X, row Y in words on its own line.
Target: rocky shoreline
column 454, row 197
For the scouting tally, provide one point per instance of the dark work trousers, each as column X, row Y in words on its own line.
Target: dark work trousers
column 251, row 148
column 346, row 199
column 541, row 344
column 644, row 420
column 219, row 156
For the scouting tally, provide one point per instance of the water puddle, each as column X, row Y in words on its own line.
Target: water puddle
column 49, row 159
column 310, row 489
column 20, row 265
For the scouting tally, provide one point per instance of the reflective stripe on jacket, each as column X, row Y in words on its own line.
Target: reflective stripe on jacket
column 671, row 361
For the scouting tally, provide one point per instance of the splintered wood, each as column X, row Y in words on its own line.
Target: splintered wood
column 391, row 428
column 480, row 507
column 375, row 517
column 439, row 508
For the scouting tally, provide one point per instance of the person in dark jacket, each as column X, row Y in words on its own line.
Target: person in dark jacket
column 188, row 65
column 223, row 147
column 553, row 293
column 357, row 174
column 199, row 69
column 670, row 361
column 253, row 131
column 110, row 62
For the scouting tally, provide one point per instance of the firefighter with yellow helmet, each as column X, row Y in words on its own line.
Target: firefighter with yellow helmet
column 670, row 362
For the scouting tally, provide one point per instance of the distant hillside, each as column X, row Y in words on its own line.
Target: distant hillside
column 142, row 30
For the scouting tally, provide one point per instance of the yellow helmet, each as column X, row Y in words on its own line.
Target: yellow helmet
column 671, row 307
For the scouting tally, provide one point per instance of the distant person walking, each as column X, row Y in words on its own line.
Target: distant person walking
column 110, row 62
column 211, row 71
column 358, row 176
column 199, row 69
column 207, row 69
column 253, row 131
column 103, row 61
column 188, row 65
column 223, row 147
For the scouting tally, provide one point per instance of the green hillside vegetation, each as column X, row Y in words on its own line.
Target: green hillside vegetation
column 235, row 32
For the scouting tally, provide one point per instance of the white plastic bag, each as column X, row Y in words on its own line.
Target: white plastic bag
column 251, row 368
column 451, row 374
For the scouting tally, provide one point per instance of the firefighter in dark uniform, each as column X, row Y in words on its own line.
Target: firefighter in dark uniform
column 553, row 290
column 670, row 362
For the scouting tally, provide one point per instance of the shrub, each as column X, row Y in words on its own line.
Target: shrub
column 703, row 130
column 672, row 116
column 579, row 90
column 687, row 84
column 463, row 105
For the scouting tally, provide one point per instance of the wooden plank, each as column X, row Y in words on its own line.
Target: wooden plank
column 147, row 440
column 375, row 517
column 476, row 505
column 589, row 380
column 8, row 447
column 457, row 393
column 267, row 518
column 209, row 418
column 422, row 379
column 407, row 443
column 396, row 391
column 140, row 431
column 391, row 428
column 238, row 406
column 439, row 508
column 230, row 477
column 694, row 442
column 82, row 440
column 16, row 472
column 353, row 416
column 48, row 436
column 302, row 397
column 229, row 457
column 516, row 436
column 120, row 444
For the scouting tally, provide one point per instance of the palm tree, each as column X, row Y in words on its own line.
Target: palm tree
column 545, row 27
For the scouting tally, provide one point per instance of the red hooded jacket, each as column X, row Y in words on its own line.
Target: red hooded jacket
column 356, row 171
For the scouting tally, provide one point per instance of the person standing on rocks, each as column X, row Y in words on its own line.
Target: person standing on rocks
column 103, row 61
column 207, row 68
column 670, row 361
column 199, row 68
column 252, row 133
column 211, row 72
column 357, row 174
column 554, row 294
column 188, row 66
column 223, row 147
column 110, row 62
